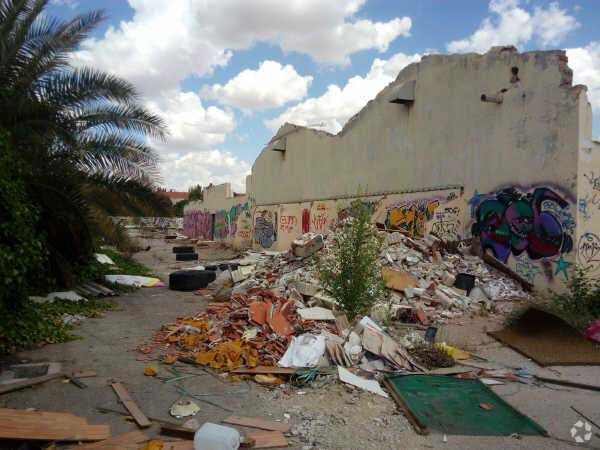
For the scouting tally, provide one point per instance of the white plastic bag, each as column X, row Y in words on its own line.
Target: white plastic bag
column 304, row 351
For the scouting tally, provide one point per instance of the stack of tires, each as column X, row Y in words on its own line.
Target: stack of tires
column 185, row 253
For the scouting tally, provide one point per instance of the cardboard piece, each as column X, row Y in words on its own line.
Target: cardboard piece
column 398, row 279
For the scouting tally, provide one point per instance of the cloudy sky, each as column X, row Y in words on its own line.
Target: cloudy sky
column 225, row 74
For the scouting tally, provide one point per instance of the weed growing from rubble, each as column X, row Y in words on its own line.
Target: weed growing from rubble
column 350, row 271
column 580, row 305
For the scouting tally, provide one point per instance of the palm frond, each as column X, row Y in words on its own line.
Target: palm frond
column 72, row 89
column 108, row 118
column 121, row 196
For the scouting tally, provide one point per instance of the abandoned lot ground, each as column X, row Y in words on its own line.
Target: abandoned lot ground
column 331, row 416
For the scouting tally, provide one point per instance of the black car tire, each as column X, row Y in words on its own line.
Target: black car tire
column 183, row 249
column 186, row 256
column 190, row 280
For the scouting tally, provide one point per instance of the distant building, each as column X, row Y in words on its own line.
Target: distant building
column 176, row 197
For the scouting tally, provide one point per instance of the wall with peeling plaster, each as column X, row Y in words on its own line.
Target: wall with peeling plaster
column 517, row 175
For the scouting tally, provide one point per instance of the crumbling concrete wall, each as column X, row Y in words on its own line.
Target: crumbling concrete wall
column 491, row 146
column 588, row 196
column 217, row 216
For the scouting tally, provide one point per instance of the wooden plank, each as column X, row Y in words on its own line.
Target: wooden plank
column 267, row 439
column 176, row 431
column 264, row 369
column 131, row 406
column 341, row 323
column 48, row 426
column 125, row 441
column 589, row 387
column 419, row 427
column 30, row 382
column 257, row 422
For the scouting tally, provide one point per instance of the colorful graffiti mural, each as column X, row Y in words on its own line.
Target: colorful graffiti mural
column 514, row 222
column 411, row 216
column 198, row 225
column 265, row 231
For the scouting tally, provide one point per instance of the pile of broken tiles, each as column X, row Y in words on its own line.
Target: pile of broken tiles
column 272, row 310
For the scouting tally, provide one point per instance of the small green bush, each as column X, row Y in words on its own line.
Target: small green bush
column 34, row 325
column 351, row 272
column 581, row 303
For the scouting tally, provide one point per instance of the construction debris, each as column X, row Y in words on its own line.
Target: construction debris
column 270, row 315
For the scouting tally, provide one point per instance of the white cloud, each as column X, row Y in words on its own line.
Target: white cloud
column 68, row 3
column 270, row 86
column 191, row 126
column 338, row 104
column 189, row 155
column 511, row 24
column 182, row 170
column 585, row 62
column 167, row 41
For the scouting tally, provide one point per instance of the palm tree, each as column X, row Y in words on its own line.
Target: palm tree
column 81, row 133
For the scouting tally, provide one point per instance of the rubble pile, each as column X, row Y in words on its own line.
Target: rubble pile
column 270, row 310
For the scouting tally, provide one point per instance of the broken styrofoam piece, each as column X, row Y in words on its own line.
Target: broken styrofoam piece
column 104, row 259
column 134, row 280
column 196, row 268
column 366, row 321
column 316, row 313
column 304, row 351
column 367, row 385
column 242, row 273
column 353, row 347
column 211, row 436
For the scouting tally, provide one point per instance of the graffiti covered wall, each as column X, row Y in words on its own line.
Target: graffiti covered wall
column 198, row 224
column 265, row 226
column 588, row 209
column 531, row 230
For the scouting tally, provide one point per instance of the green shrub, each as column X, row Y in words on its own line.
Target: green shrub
column 22, row 251
column 34, row 325
column 581, row 303
column 350, row 271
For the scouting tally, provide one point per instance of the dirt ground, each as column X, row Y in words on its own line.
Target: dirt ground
column 328, row 417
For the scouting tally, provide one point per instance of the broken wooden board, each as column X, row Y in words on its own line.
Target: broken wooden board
column 48, row 426
column 123, row 441
column 398, row 279
column 29, row 382
column 264, row 369
column 256, row 422
column 341, row 323
column 267, row 439
column 131, row 406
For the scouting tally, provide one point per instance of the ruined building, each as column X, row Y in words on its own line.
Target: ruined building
column 495, row 146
